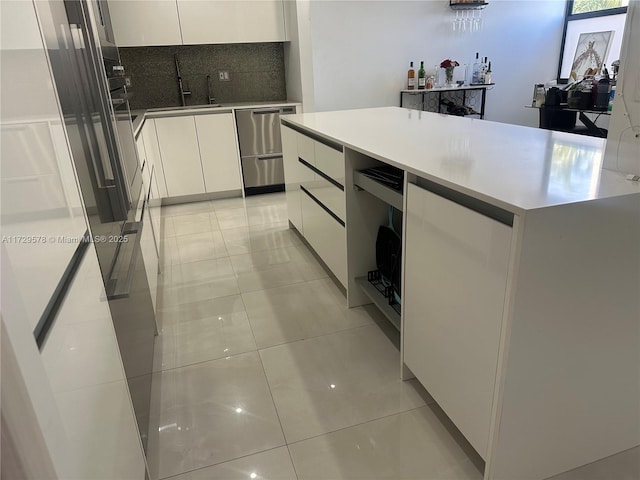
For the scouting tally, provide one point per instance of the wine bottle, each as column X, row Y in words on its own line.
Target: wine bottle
column 421, row 77
column 411, row 78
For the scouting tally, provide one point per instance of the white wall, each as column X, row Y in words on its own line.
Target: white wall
column 623, row 140
column 362, row 49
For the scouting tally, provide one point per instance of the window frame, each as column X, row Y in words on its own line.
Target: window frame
column 568, row 17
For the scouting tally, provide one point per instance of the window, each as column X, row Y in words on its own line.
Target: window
column 592, row 37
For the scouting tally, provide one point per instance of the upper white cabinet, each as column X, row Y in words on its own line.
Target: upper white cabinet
column 232, row 21
column 188, row 22
column 218, row 152
column 139, row 23
column 178, row 143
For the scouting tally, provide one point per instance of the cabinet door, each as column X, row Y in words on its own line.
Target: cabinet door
column 139, row 23
column 152, row 154
column 232, row 21
column 150, row 253
column 456, row 263
column 219, row 152
column 178, row 144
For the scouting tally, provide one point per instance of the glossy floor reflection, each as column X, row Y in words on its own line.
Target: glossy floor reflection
column 261, row 372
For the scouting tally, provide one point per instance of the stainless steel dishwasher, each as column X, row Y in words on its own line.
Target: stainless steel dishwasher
column 261, row 148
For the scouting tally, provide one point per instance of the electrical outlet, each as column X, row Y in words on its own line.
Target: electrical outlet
column 223, row 75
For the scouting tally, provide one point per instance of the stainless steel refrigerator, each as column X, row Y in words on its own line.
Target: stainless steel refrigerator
column 93, row 97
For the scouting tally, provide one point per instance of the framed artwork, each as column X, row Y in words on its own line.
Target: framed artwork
column 606, row 34
column 591, row 51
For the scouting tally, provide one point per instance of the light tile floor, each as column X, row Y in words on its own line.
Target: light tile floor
column 262, row 372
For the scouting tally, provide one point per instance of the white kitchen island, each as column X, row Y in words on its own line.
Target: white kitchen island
column 521, row 272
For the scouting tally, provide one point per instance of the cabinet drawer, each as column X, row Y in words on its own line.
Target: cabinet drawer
column 329, row 161
column 306, row 149
column 328, row 194
column 326, row 235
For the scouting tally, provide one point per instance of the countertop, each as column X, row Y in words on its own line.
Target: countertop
column 510, row 166
column 139, row 116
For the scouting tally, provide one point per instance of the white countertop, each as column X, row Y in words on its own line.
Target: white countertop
column 513, row 167
column 141, row 114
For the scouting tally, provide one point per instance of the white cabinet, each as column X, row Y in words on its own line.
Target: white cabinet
column 178, row 144
column 294, row 174
column 150, row 253
column 326, row 235
column 456, row 264
column 219, row 152
column 315, row 199
column 152, row 154
column 232, row 21
column 145, row 22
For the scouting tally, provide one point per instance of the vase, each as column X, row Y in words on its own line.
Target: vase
column 449, row 76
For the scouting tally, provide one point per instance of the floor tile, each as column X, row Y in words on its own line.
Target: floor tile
column 622, row 466
column 186, row 208
column 201, row 246
column 274, row 268
column 169, row 253
column 411, row 445
column 267, row 214
column 182, row 294
column 210, row 413
column 191, row 223
column 270, row 465
column 201, row 340
column 266, row 199
column 232, row 218
column 335, row 381
column 259, row 238
column 307, row 265
column 299, row 311
column 186, row 312
column 227, row 203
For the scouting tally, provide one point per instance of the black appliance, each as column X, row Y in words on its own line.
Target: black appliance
column 93, row 97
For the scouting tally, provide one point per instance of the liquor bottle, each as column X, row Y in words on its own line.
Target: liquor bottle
column 411, row 78
column 421, row 77
column 487, row 74
column 483, row 70
column 475, row 75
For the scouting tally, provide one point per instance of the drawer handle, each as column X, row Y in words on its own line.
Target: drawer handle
column 322, row 174
column 322, row 205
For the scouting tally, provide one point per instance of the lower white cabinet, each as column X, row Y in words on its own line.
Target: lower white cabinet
column 178, row 144
column 218, row 152
column 326, row 235
column 294, row 174
column 152, row 153
column 456, row 264
column 150, row 253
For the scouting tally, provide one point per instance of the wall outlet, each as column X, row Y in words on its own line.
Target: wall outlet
column 223, row 75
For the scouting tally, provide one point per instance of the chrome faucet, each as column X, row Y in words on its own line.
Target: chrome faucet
column 183, row 92
column 210, row 96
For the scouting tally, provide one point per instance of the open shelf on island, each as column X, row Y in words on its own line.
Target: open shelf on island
column 377, row 189
column 380, row 301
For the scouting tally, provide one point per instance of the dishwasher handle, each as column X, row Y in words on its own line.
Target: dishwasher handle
column 266, row 111
column 270, row 157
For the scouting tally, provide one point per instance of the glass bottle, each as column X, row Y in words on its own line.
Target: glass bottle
column 421, row 77
column 411, row 78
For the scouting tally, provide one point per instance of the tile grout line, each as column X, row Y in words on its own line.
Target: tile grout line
column 220, row 463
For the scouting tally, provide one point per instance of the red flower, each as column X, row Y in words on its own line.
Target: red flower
column 448, row 63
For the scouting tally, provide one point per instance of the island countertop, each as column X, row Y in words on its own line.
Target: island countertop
column 513, row 167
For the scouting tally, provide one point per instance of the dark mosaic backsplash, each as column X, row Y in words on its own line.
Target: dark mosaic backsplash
column 256, row 71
